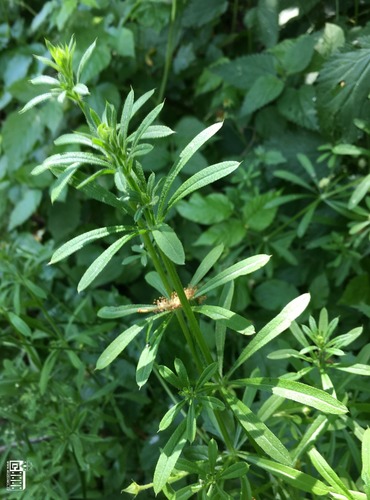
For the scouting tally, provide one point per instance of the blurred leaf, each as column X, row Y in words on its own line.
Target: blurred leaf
column 210, row 209
column 298, row 106
column 24, row 208
column 264, row 90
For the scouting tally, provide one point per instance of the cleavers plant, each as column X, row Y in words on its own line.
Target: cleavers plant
column 212, row 460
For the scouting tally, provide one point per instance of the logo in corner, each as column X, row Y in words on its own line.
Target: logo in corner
column 16, row 474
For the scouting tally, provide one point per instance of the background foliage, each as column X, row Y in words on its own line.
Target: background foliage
column 294, row 97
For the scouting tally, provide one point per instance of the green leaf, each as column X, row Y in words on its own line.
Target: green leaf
column 24, row 208
column 122, row 341
column 126, row 114
column 36, row 100
column 295, row 55
column 365, row 454
column 168, row 458
column 306, row 219
column 210, row 209
column 220, row 328
column 268, row 22
column 342, row 92
column 19, row 324
column 84, row 239
column 144, row 125
column 184, row 157
column 75, row 138
column 111, row 312
column 207, row 263
column 243, row 71
column 322, row 466
column 230, row 319
column 276, row 326
column 99, row 264
column 146, row 361
column 360, row 192
column 346, row 339
column 44, row 80
column 311, row 435
column 264, row 90
column 298, row 106
column 357, row 368
column 242, row 268
column 170, row 415
column 206, row 375
column 84, row 59
column 68, row 159
column 19, row 136
column 169, row 376
column 295, row 179
column 295, row 478
column 141, row 101
column 296, row 391
column 47, row 367
column 157, row 131
column 234, row 471
column 62, row 181
column 169, row 243
column 257, row 430
column 203, row 178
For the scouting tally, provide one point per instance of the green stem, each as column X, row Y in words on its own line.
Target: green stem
column 169, row 52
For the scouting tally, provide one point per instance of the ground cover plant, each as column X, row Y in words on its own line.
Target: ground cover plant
column 150, row 379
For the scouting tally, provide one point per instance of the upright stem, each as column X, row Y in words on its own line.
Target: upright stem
column 169, row 51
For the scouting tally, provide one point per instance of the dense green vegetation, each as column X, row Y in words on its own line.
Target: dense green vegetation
column 240, row 207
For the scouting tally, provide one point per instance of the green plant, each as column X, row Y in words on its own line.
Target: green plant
column 206, row 396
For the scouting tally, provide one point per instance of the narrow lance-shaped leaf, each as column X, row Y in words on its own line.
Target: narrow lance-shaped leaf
column 312, row 433
column 146, row 361
column 84, row 59
column 62, row 181
column 360, row 192
column 322, row 466
column 148, row 120
column 110, row 312
column 44, row 80
column 241, row 268
column 207, row 263
column 126, row 114
column 296, row 391
column 76, row 139
column 365, row 454
column 157, row 131
column 184, row 157
column 168, row 457
column 232, row 320
column 257, row 430
column 69, row 158
column 169, row 243
column 139, row 103
column 84, row 239
column 203, row 178
column 276, row 326
column 99, row 264
column 36, row 100
column 295, row 478
column 122, row 341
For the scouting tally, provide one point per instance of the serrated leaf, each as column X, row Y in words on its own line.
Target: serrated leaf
column 276, row 326
column 257, row 430
column 207, row 263
column 184, row 157
column 296, row 391
column 168, row 458
column 141, row 101
column 231, row 320
column 203, row 178
column 298, row 106
column 101, row 262
column 167, row 240
column 342, row 92
column 84, row 239
column 242, row 268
